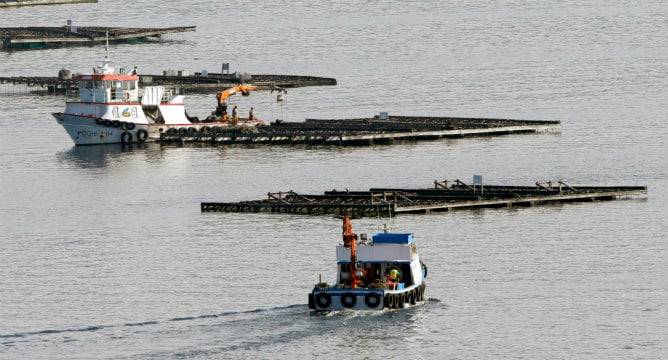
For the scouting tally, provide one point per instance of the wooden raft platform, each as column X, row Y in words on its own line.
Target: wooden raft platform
column 366, row 131
column 196, row 83
column 68, row 35
column 444, row 196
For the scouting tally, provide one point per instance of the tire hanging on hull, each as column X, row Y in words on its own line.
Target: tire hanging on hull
column 142, row 135
column 126, row 137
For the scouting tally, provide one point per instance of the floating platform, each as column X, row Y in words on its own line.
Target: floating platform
column 444, row 196
column 70, row 35
column 365, row 131
column 195, row 83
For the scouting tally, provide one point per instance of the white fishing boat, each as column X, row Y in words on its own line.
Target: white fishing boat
column 109, row 107
column 381, row 272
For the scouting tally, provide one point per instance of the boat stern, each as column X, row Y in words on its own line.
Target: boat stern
column 346, row 299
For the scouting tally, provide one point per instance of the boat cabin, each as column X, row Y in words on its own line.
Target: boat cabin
column 388, row 261
column 106, row 86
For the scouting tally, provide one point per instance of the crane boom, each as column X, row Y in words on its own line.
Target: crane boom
column 243, row 89
column 350, row 240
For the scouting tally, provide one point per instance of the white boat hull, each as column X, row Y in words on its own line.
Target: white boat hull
column 84, row 130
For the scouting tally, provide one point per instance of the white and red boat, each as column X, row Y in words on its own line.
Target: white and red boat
column 381, row 272
column 109, row 107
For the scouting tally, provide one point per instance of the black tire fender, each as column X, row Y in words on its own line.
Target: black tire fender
column 323, row 300
column 348, row 300
column 311, row 301
column 142, row 135
column 126, row 137
column 372, row 300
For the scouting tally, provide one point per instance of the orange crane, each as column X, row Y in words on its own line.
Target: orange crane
column 350, row 240
column 243, row 89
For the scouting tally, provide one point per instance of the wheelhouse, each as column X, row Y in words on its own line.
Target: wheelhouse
column 108, row 88
column 378, row 260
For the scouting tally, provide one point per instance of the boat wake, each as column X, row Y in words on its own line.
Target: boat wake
column 228, row 333
column 93, row 328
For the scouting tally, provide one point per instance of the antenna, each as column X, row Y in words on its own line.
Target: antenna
column 106, row 46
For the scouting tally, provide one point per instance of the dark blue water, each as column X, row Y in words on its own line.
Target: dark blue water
column 104, row 252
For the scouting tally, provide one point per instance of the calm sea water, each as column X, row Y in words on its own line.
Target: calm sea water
column 105, row 254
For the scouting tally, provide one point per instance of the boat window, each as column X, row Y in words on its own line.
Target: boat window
column 99, row 84
column 86, row 85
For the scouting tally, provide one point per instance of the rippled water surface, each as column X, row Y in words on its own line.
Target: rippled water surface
column 105, row 254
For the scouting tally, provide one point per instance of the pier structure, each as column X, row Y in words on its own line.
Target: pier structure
column 444, row 196
column 364, row 131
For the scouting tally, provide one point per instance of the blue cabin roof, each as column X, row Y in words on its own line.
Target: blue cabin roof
column 392, row 238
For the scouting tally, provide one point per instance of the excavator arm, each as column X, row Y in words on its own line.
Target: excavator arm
column 243, row 89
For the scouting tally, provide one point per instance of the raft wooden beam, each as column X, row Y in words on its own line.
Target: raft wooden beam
column 67, row 35
column 391, row 202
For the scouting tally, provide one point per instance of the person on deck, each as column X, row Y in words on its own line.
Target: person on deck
column 393, row 279
column 250, row 114
column 235, row 115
